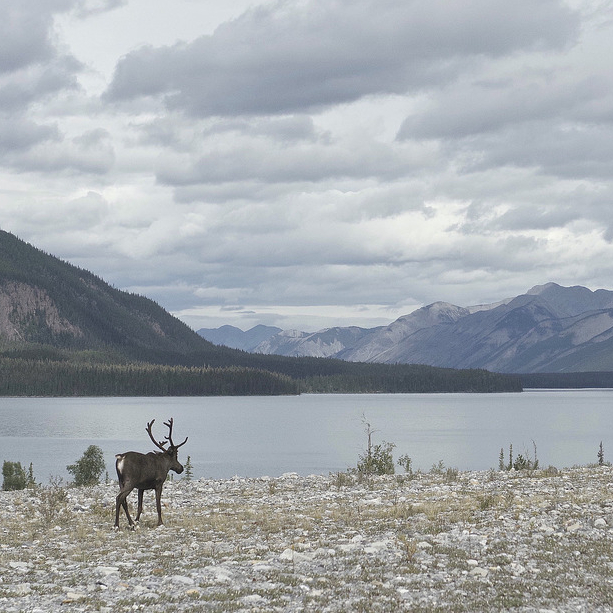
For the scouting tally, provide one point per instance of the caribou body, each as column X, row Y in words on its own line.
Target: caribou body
column 146, row 471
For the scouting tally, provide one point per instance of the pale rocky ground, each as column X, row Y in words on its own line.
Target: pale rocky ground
column 442, row 541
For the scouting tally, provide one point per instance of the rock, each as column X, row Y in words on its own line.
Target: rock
column 22, row 589
column 182, row 580
column 292, row 542
column 22, row 567
column 105, row 571
column 573, row 527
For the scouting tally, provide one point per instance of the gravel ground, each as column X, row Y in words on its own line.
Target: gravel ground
column 442, row 541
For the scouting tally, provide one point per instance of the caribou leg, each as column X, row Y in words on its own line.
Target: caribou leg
column 121, row 501
column 158, row 502
column 140, row 504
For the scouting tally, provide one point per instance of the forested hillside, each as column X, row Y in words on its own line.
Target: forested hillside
column 64, row 331
column 47, row 301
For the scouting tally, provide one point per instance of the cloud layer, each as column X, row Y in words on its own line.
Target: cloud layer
column 309, row 164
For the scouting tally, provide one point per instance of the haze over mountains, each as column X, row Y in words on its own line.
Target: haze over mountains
column 550, row 328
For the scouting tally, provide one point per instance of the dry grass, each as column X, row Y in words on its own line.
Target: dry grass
column 474, row 543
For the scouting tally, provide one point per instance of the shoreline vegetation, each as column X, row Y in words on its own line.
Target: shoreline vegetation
column 67, row 376
column 526, row 540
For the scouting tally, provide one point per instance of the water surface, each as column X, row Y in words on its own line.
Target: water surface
column 311, row 434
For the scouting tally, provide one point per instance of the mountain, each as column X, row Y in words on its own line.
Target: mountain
column 550, row 328
column 64, row 331
column 46, row 301
column 379, row 345
column 324, row 344
column 230, row 336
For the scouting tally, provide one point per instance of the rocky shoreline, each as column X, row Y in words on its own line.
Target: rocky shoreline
column 442, row 541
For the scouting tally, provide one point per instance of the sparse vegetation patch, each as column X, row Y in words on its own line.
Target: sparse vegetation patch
column 479, row 541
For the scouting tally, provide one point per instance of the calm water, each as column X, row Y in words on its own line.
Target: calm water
column 255, row 436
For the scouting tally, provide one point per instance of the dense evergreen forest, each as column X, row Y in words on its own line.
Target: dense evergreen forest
column 20, row 377
column 32, row 377
column 65, row 332
column 567, row 380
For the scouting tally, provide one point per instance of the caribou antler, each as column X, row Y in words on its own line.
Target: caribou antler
column 168, row 424
column 159, row 444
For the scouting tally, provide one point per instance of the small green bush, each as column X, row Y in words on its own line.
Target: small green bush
column 378, row 459
column 521, row 462
column 407, row 463
column 600, row 455
column 14, row 476
column 188, row 475
column 87, row 470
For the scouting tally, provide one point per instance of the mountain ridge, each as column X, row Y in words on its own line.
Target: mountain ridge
column 549, row 328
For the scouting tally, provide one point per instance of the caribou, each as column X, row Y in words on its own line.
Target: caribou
column 146, row 472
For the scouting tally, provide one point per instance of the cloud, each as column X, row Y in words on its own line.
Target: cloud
column 38, row 81
column 88, row 8
column 488, row 106
column 304, row 162
column 18, row 134
column 33, row 71
column 25, row 32
column 293, row 56
column 304, row 158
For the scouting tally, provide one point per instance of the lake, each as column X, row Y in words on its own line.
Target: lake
column 311, row 434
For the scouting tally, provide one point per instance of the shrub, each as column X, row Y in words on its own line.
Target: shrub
column 521, row 462
column 52, row 500
column 30, row 480
column 14, row 476
column 600, row 455
column 407, row 463
column 189, row 470
column 87, row 470
column 378, row 459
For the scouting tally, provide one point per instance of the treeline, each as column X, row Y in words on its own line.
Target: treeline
column 27, row 377
column 568, row 380
column 411, row 378
column 19, row 377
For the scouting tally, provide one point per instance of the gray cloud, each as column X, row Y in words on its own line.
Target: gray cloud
column 577, row 152
column 38, row 81
column 484, row 107
column 25, row 32
column 287, row 57
column 312, row 163
column 33, row 70
column 301, row 163
column 18, row 134
column 88, row 8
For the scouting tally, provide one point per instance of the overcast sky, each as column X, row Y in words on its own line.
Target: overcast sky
column 306, row 164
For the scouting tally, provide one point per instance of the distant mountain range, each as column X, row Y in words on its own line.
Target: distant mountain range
column 550, row 328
